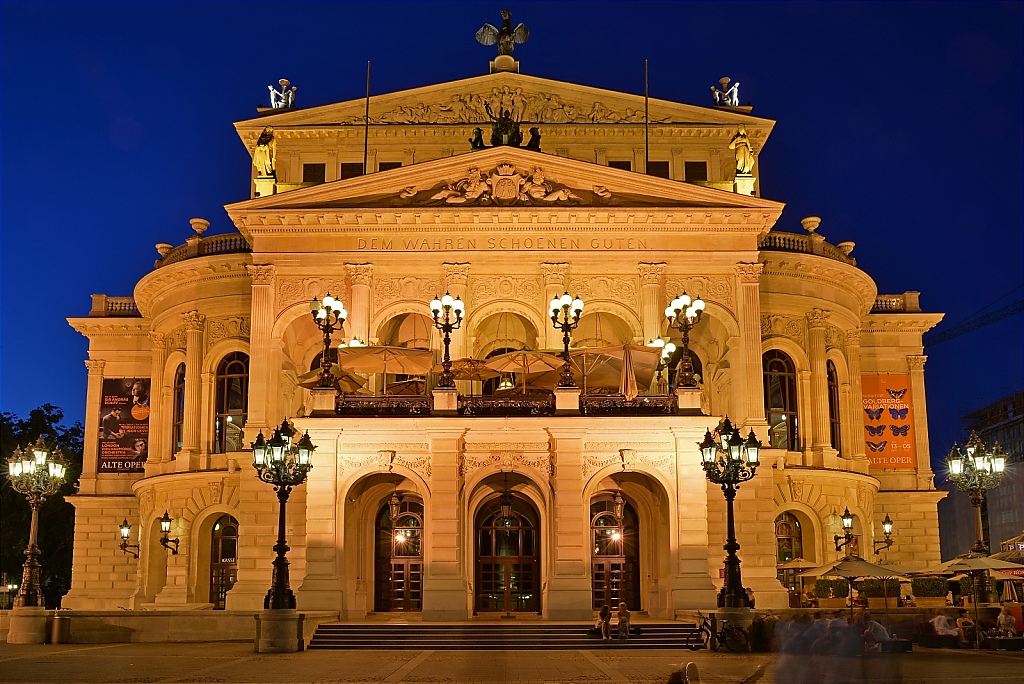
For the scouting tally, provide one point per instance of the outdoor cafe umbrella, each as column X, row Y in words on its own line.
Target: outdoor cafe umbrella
column 344, row 382
column 852, row 567
column 384, row 359
column 524, row 362
column 469, row 369
column 621, row 367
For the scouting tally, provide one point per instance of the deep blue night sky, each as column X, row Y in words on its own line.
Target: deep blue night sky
column 898, row 123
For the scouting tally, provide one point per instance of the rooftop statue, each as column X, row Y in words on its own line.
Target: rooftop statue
column 744, row 154
column 264, row 157
column 727, row 96
column 506, row 38
column 284, row 98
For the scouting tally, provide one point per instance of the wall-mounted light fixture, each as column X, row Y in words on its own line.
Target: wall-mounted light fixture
column 887, row 531
column 126, row 548
column 165, row 533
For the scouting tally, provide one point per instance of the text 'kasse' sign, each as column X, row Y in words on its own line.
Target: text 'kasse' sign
column 888, row 430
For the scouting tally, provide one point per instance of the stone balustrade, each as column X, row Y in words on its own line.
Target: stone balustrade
column 104, row 306
column 908, row 302
column 804, row 244
column 228, row 243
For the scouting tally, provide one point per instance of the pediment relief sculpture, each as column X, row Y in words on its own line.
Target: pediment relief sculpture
column 504, row 185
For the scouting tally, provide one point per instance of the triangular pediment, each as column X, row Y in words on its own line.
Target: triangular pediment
column 530, row 99
column 507, row 177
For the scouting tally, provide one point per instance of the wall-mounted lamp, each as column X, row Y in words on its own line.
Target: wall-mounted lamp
column 126, row 548
column 165, row 532
column 887, row 530
column 847, row 537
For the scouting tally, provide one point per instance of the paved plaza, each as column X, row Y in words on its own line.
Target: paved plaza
column 235, row 663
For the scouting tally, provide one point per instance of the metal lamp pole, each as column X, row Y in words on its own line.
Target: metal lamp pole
column 37, row 473
column 328, row 315
column 974, row 470
column 728, row 463
column 443, row 309
column 565, row 316
column 284, row 465
column 667, row 349
column 682, row 314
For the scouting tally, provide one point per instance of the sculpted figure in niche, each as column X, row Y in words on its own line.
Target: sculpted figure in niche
column 265, row 155
column 744, row 155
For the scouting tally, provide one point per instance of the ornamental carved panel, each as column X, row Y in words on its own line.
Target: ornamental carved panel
column 489, row 288
column 381, row 461
column 633, row 458
column 176, row 339
column 507, row 460
column 835, row 338
column 228, row 327
column 622, row 289
column 294, row 290
column 389, row 290
column 718, row 289
column 775, row 325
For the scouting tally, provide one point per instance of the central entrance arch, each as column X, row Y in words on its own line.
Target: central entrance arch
column 398, row 557
column 507, row 555
column 615, row 562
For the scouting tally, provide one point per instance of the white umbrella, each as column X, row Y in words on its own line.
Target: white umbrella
column 524, row 362
column 384, row 359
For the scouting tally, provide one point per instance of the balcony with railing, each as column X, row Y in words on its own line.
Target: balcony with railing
column 908, row 302
column 777, row 241
column 106, row 307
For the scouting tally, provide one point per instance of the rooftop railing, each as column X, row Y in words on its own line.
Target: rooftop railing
column 229, row 243
column 807, row 244
column 908, row 302
column 104, row 306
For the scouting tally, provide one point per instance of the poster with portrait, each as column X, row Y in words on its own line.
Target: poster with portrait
column 124, row 425
column 888, row 421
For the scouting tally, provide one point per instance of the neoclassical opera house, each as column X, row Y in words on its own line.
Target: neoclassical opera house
column 506, row 493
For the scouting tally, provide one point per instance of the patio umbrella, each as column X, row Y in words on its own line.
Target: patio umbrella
column 524, row 362
column 415, row 386
column 852, row 567
column 797, row 564
column 469, row 369
column 343, row 382
column 623, row 368
column 384, row 359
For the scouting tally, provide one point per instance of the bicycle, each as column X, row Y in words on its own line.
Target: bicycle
column 731, row 636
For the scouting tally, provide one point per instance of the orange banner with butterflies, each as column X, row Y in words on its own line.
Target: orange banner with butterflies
column 888, row 414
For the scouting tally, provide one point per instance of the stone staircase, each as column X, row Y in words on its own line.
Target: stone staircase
column 493, row 636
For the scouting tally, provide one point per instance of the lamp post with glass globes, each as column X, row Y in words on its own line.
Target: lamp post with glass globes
column 329, row 315
column 565, row 316
column 682, row 314
column 36, row 473
column 447, row 314
column 728, row 463
column 284, row 465
column 975, row 470
column 667, row 349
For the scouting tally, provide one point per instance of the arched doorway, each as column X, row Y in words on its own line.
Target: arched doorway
column 507, row 556
column 223, row 559
column 398, row 556
column 789, row 545
column 615, row 561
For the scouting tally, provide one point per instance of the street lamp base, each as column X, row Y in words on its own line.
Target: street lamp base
column 279, row 631
column 733, row 599
column 27, row 625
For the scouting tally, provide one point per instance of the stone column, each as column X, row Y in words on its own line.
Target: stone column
column 456, row 280
column 919, row 408
column 676, row 163
column 193, row 418
column 554, row 285
column 569, row 592
column 358, row 323
column 652, row 310
column 692, row 586
column 747, row 378
column 855, row 415
column 445, row 592
column 817, row 321
column 93, row 407
column 262, row 370
column 805, row 422
column 159, row 419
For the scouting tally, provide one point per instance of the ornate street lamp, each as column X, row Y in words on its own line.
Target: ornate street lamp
column 667, row 349
column 443, row 309
column 36, row 473
column 165, row 534
column 729, row 462
column 847, row 537
column 329, row 315
column 565, row 316
column 887, row 531
column 126, row 532
column 284, row 465
column 682, row 314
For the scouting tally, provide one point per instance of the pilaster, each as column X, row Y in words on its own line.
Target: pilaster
column 554, row 286
column 456, row 280
column 854, row 417
column 747, row 381
column 445, row 591
column 262, row 380
column 93, row 402
column 159, row 420
column 569, row 593
column 692, row 586
column 652, row 317
column 323, row 585
column 821, row 444
column 358, row 322
column 195, row 323
column 915, row 368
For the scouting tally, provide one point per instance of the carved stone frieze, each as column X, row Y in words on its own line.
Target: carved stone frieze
column 631, row 459
column 176, row 339
column 817, row 318
column 193, row 320
column 718, row 289
column 554, row 273
column 796, row 489
column 381, row 459
column 651, row 272
column 749, row 272
column 294, row 290
column 505, row 446
column 95, row 366
column 604, row 287
column 636, row 446
column 853, row 338
column 262, row 274
column 507, row 458
column 388, row 290
column 916, row 363
column 159, row 340
column 228, row 327
column 503, row 185
column 776, row 325
column 527, row 107
column 835, row 338
column 455, row 274
column 864, row 496
column 359, row 274
column 486, row 289
column 831, row 273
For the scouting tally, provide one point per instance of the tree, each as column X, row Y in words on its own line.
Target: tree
column 56, row 516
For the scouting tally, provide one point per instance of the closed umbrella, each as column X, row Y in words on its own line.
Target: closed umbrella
column 469, row 369
column 344, row 382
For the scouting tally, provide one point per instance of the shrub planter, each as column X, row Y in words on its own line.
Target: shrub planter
column 833, row 603
column 930, row 601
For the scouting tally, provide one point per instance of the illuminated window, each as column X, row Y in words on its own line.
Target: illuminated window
column 780, row 399
column 178, row 409
column 232, row 392
column 833, row 406
column 788, row 546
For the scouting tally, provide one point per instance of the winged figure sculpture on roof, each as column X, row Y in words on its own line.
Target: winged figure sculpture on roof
column 506, row 38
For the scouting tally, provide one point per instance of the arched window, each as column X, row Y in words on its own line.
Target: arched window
column 223, row 559
column 780, row 399
column 232, row 391
column 178, row 409
column 833, row 406
column 788, row 546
